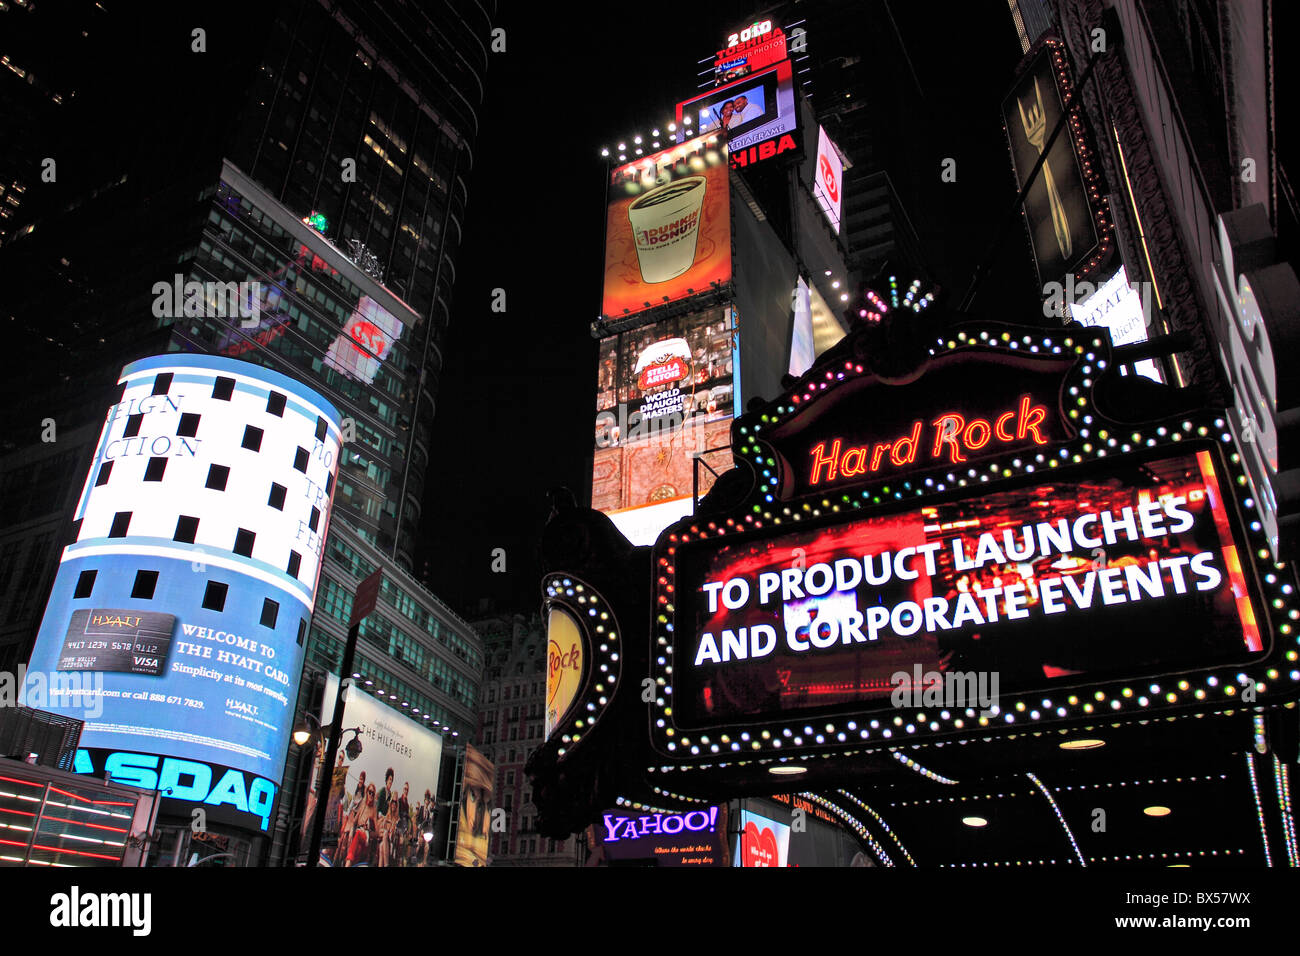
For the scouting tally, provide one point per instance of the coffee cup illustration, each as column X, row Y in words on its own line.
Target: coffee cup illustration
column 665, row 226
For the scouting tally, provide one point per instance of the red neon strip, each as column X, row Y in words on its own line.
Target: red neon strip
column 26, row 783
column 18, row 813
column 1245, row 611
column 55, row 849
column 12, row 843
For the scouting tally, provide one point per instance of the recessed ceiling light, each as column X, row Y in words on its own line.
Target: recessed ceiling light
column 1082, row 743
column 974, row 821
column 1157, row 811
column 786, row 771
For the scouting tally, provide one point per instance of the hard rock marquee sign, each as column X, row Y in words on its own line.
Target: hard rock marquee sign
column 999, row 511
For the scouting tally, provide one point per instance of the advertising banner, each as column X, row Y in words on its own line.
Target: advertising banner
column 664, row 395
column 382, row 802
column 476, row 801
column 756, row 115
column 695, row 838
column 668, row 227
column 1060, row 215
column 1064, row 580
column 1119, row 307
column 762, row 842
column 365, row 342
column 564, row 666
column 828, row 181
column 758, row 45
column 176, row 623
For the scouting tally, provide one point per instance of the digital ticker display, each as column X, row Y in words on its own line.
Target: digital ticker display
column 1060, row 581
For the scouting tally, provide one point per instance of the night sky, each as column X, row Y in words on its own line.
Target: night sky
column 517, row 399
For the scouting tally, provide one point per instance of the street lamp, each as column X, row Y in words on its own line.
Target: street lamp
column 309, row 729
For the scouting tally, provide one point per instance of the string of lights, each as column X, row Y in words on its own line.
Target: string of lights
column 1259, row 809
column 1059, row 816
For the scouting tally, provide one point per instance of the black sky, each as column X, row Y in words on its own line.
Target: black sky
column 516, row 403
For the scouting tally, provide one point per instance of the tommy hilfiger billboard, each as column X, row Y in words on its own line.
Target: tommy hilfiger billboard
column 990, row 514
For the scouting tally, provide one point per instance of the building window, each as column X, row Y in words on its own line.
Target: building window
column 133, row 423
column 252, row 438
column 276, row 498
column 162, row 383
column 154, row 470
column 218, row 475
column 295, row 562
column 85, row 584
column 320, row 428
column 214, row 596
column 121, row 521
column 187, row 529
column 189, row 426
column 270, row 612
column 244, row 542
column 105, row 470
column 275, row 404
column 223, row 388
column 315, row 519
column 145, row 582
column 300, row 460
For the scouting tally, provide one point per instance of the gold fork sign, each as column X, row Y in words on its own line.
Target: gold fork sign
column 1035, row 124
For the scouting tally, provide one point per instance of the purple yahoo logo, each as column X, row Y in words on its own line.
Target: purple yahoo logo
column 658, row 824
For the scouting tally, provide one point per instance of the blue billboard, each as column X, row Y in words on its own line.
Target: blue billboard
column 183, row 604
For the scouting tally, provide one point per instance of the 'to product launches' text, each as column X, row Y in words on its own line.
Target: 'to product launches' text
column 1079, row 577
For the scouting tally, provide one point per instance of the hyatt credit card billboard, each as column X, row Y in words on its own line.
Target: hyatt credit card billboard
column 177, row 621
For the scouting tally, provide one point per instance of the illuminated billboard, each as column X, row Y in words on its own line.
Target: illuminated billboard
column 762, row 841
column 758, row 45
column 664, row 394
column 383, row 801
column 185, row 599
column 367, row 338
column 564, row 666
column 1117, row 306
column 668, row 227
column 476, row 799
column 980, row 526
column 693, row 838
column 1057, row 581
column 828, row 179
column 755, row 115
column 1063, row 208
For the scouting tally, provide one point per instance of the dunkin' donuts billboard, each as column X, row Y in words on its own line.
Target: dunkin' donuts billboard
column 668, row 227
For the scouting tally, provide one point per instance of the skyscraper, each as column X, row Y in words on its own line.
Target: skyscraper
column 281, row 183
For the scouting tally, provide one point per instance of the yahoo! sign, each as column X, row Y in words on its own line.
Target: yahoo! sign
column 658, row 824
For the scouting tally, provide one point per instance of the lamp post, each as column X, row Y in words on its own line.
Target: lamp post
column 363, row 602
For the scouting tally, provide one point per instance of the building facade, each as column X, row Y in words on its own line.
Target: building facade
column 511, row 722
